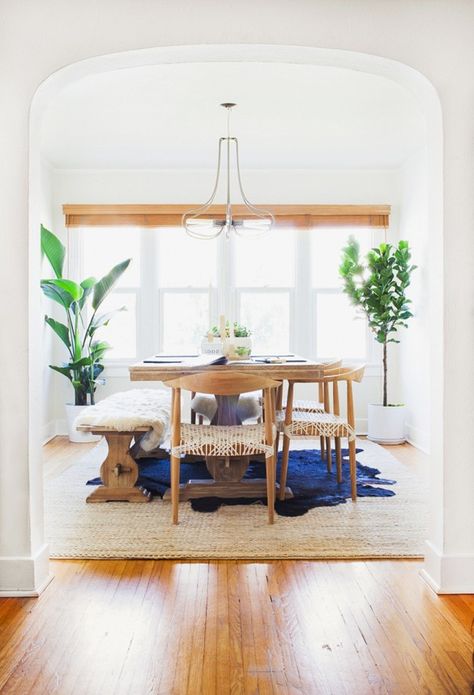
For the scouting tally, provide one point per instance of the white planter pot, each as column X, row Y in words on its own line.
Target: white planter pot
column 72, row 411
column 386, row 423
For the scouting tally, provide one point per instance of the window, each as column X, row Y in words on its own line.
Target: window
column 285, row 287
column 338, row 330
column 97, row 251
column 264, row 286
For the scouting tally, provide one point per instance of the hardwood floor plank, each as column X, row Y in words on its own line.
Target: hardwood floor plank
column 309, row 606
column 195, row 686
column 250, row 678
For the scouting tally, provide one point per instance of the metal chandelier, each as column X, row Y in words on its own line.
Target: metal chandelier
column 199, row 223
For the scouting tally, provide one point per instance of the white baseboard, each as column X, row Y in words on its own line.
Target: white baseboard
column 420, row 439
column 54, row 428
column 448, row 574
column 25, row 576
column 49, row 431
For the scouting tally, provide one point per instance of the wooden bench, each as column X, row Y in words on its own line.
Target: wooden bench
column 119, row 471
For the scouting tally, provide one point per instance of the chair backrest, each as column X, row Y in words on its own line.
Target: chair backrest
column 333, row 375
column 332, row 364
column 223, row 383
column 346, row 373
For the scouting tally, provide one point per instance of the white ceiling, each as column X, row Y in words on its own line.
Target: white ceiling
column 288, row 117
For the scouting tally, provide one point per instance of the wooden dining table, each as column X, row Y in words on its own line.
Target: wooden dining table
column 227, row 477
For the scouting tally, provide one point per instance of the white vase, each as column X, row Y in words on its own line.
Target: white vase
column 72, row 411
column 386, row 424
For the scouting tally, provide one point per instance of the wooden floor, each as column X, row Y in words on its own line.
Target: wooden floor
column 293, row 627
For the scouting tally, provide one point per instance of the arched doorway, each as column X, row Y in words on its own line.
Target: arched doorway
column 402, row 74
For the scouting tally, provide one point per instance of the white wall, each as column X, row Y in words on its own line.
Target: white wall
column 301, row 186
column 436, row 65
column 415, row 349
column 48, row 347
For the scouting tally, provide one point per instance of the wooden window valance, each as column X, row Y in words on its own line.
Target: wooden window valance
column 150, row 215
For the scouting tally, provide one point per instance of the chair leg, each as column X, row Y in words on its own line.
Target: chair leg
column 337, row 441
column 323, row 448
column 352, row 463
column 174, row 488
column 277, row 444
column 329, row 454
column 284, row 465
column 270, row 471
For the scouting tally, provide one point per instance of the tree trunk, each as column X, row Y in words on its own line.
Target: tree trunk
column 385, row 374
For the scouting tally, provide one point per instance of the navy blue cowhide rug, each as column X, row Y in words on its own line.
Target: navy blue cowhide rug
column 308, row 478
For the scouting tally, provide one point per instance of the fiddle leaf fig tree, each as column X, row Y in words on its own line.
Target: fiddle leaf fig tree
column 80, row 303
column 377, row 285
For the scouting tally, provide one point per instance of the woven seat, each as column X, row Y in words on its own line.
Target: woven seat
column 309, row 406
column 307, row 425
column 225, row 440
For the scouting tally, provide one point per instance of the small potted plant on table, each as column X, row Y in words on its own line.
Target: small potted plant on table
column 237, row 343
column 378, row 288
column 80, row 303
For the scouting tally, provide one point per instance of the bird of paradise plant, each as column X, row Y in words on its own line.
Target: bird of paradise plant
column 81, row 303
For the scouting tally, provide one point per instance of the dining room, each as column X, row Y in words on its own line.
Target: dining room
column 332, row 162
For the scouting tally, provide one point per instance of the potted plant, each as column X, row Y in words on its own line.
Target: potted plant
column 241, row 341
column 378, row 288
column 80, row 303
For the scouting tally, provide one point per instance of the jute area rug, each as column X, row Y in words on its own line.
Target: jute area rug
column 390, row 527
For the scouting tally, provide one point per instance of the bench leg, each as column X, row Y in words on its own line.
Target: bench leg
column 119, row 473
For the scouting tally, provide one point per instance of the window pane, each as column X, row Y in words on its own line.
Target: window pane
column 326, row 248
column 184, row 261
column 104, row 247
column 267, row 315
column 267, row 261
column 185, row 320
column 121, row 332
column 339, row 330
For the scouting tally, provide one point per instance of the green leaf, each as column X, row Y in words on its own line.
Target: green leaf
column 60, row 329
column 105, row 284
column 54, row 251
column 104, row 319
column 83, row 362
column 65, row 371
column 87, row 286
column 64, row 292
column 55, row 293
column 98, row 349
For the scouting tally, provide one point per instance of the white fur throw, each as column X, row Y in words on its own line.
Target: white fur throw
column 127, row 410
column 247, row 407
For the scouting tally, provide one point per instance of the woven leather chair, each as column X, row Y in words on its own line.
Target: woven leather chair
column 223, row 440
column 300, row 424
column 318, row 407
